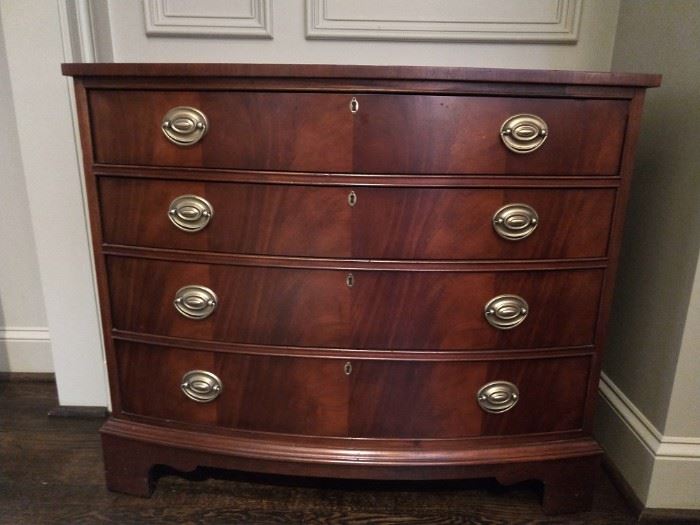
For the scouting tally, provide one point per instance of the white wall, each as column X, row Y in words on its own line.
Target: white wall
column 34, row 48
column 652, row 364
column 24, row 336
column 593, row 51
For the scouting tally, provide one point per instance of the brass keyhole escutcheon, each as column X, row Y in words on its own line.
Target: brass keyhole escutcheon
column 350, row 280
column 352, row 199
column 347, row 368
column 354, row 105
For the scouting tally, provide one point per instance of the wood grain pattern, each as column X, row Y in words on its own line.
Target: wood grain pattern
column 385, row 223
column 306, row 73
column 392, row 310
column 283, row 131
column 377, row 399
column 424, row 155
column 65, row 454
column 566, row 468
column 442, row 134
column 305, row 178
column 389, row 134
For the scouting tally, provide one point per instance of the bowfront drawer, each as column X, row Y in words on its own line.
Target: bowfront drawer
column 274, row 131
column 335, row 132
column 357, row 222
column 360, row 309
column 351, row 397
column 488, row 135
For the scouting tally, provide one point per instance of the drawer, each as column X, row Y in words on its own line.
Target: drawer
column 356, row 397
column 440, row 134
column 318, row 132
column 264, row 131
column 382, row 309
column 383, row 223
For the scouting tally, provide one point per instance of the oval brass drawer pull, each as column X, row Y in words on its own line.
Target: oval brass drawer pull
column 201, row 386
column 506, row 311
column 195, row 302
column 190, row 213
column 524, row 133
column 184, row 125
column 497, row 397
column 515, row 221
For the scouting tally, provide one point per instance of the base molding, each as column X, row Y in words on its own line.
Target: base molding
column 25, row 350
column 567, row 468
column 646, row 515
column 663, row 472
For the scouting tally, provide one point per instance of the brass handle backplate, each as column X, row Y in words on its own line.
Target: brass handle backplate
column 515, row 221
column 497, row 397
column 201, row 386
column 524, row 133
column 184, row 125
column 506, row 311
column 190, row 213
column 195, row 302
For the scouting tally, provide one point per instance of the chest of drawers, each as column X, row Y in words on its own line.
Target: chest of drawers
column 365, row 272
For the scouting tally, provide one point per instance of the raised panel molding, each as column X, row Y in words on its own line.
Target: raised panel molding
column 522, row 21
column 209, row 18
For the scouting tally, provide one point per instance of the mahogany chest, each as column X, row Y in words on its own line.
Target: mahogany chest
column 351, row 271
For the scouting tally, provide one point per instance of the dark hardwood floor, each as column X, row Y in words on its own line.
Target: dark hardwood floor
column 51, row 472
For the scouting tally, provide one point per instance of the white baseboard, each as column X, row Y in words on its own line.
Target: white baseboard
column 25, row 349
column 664, row 471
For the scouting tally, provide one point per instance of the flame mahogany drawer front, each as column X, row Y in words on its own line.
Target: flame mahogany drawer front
column 381, row 310
column 341, row 397
column 381, row 223
column 319, row 132
column 354, row 271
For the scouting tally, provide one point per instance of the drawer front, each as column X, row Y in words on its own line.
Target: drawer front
column 387, row 134
column 340, row 397
column 276, row 131
column 438, row 134
column 382, row 223
column 382, row 309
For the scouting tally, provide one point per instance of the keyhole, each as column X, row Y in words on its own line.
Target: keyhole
column 352, row 198
column 354, row 105
column 347, row 368
column 350, row 280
